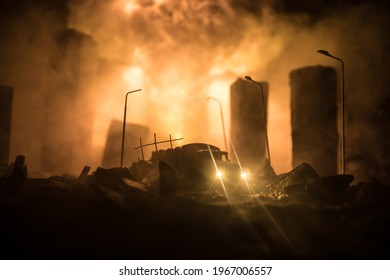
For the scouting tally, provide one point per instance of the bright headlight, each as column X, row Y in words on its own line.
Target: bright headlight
column 244, row 175
column 219, row 174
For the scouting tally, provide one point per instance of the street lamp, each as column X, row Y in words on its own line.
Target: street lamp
column 265, row 116
column 124, row 125
column 326, row 53
column 222, row 120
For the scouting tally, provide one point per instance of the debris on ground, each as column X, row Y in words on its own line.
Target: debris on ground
column 298, row 177
column 114, row 214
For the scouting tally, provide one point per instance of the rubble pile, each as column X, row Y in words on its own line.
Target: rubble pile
column 299, row 176
column 304, row 186
column 119, row 213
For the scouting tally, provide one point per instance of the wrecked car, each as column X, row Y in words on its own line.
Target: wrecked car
column 201, row 166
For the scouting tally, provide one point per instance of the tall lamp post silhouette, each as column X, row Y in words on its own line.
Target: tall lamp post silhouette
column 326, row 53
column 124, row 125
column 265, row 116
column 222, row 120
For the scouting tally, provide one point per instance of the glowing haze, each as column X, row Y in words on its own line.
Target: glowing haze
column 179, row 53
column 182, row 51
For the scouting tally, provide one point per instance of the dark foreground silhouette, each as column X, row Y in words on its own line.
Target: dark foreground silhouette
column 109, row 216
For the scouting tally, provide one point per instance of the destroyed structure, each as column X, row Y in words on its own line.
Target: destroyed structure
column 247, row 122
column 314, row 118
column 161, row 207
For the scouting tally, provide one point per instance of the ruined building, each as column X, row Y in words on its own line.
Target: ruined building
column 247, row 122
column 314, row 118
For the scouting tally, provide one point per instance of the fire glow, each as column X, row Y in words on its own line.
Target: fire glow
column 181, row 52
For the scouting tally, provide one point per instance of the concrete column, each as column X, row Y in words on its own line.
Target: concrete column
column 6, row 96
column 247, row 123
column 314, row 118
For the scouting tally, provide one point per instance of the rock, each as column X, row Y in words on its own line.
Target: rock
column 84, row 173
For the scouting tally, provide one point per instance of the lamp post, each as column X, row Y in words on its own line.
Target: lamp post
column 124, row 125
column 265, row 116
column 326, row 53
column 222, row 120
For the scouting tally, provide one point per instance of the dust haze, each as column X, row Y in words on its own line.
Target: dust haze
column 179, row 53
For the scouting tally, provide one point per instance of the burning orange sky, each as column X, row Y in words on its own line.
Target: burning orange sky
column 181, row 52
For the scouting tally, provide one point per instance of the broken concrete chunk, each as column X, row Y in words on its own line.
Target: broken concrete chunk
column 301, row 175
column 84, row 172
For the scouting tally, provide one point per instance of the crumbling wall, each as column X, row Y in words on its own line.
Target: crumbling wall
column 6, row 96
column 247, row 122
column 314, row 118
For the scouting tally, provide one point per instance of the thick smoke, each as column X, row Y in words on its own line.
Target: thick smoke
column 49, row 66
column 27, row 42
column 181, row 52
